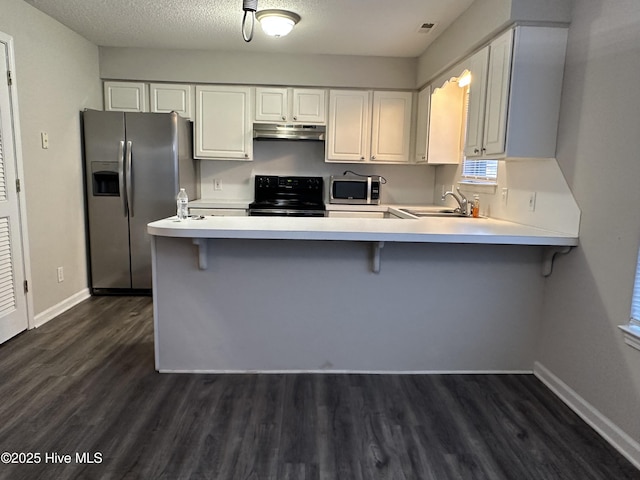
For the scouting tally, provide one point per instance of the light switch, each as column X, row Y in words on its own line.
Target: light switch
column 44, row 136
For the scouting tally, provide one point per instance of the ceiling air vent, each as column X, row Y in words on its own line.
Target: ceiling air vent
column 426, row 27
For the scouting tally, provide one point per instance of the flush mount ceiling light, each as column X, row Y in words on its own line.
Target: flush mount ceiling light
column 277, row 23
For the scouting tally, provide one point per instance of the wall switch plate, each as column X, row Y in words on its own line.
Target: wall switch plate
column 44, row 138
column 60, row 274
column 217, row 184
column 532, row 202
column 505, row 196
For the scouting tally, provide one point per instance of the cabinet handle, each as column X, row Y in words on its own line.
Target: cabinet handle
column 246, row 155
column 361, row 158
column 295, row 118
column 284, row 118
column 373, row 157
column 475, row 150
column 424, row 157
column 484, row 149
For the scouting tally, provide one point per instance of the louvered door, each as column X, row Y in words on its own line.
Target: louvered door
column 13, row 309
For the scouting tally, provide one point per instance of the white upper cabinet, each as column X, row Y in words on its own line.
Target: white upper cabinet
column 290, row 105
column 125, row 96
column 348, row 129
column 373, row 127
column 391, row 126
column 522, row 84
column 446, row 121
column 172, row 97
column 223, row 124
column 497, row 96
column 477, row 67
column 422, row 124
column 272, row 105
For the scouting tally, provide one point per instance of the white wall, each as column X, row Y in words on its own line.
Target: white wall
column 406, row 184
column 555, row 208
column 198, row 66
column 590, row 290
column 478, row 24
column 56, row 75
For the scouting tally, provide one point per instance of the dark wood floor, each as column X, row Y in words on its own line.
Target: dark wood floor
column 85, row 383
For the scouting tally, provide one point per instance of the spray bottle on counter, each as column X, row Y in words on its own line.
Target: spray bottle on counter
column 475, row 206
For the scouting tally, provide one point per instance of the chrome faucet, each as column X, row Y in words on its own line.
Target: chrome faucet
column 463, row 203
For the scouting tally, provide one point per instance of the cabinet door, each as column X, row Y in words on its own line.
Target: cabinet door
column 223, row 126
column 348, row 132
column 497, row 102
column 166, row 98
column 391, row 129
column 125, row 97
column 271, row 105
column 422, row 124
column 308, row 106
column 477, row 98
column 445, row 124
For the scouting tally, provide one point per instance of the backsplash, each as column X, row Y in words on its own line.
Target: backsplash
column 552, row 207
column 406, row 184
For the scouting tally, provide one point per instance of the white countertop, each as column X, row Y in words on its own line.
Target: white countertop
column 421, row 230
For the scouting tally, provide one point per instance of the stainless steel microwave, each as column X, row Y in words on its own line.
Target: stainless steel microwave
column 363, row 190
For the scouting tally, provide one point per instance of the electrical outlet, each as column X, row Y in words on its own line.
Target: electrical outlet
column 505, row 196
column 217, row 184
column 532, row 202
column 44, row 138
column 60, row 274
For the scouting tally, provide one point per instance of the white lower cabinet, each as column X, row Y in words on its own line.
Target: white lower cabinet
column 369, row 127
column 223, row 127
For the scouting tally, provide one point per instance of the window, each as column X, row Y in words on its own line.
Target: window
column 632, row 329
column 635, row 302
column 482, row 171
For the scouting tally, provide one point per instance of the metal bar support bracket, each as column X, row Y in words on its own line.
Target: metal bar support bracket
column 549, row 255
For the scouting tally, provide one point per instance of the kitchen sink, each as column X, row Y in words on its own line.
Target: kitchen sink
column 442, row 212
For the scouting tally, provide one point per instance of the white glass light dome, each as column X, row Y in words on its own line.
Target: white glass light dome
column 277, row 23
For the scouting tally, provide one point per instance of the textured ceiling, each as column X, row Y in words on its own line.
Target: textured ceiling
column 347, row 27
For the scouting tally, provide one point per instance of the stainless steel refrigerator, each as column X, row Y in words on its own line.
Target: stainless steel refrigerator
column 135, row 164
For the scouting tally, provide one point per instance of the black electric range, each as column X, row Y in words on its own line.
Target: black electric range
column 288, row 196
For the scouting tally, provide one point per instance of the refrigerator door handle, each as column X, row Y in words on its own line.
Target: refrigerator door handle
column 123, row 195
column 129, row 179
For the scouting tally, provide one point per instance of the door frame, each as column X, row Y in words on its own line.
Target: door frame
column 22, row 207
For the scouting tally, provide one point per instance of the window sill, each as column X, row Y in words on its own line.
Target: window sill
column 631, row 334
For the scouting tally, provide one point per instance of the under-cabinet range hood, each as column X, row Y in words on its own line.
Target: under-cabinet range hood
column 271, row 131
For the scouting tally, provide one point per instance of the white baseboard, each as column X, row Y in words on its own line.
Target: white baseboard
column 613, row 434
column 348, row 372
column 52, row 312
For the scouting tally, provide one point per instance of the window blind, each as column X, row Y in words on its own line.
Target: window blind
column 480, row 169
column 635, row 302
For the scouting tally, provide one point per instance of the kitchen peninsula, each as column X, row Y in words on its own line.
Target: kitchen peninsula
column 276, row 294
